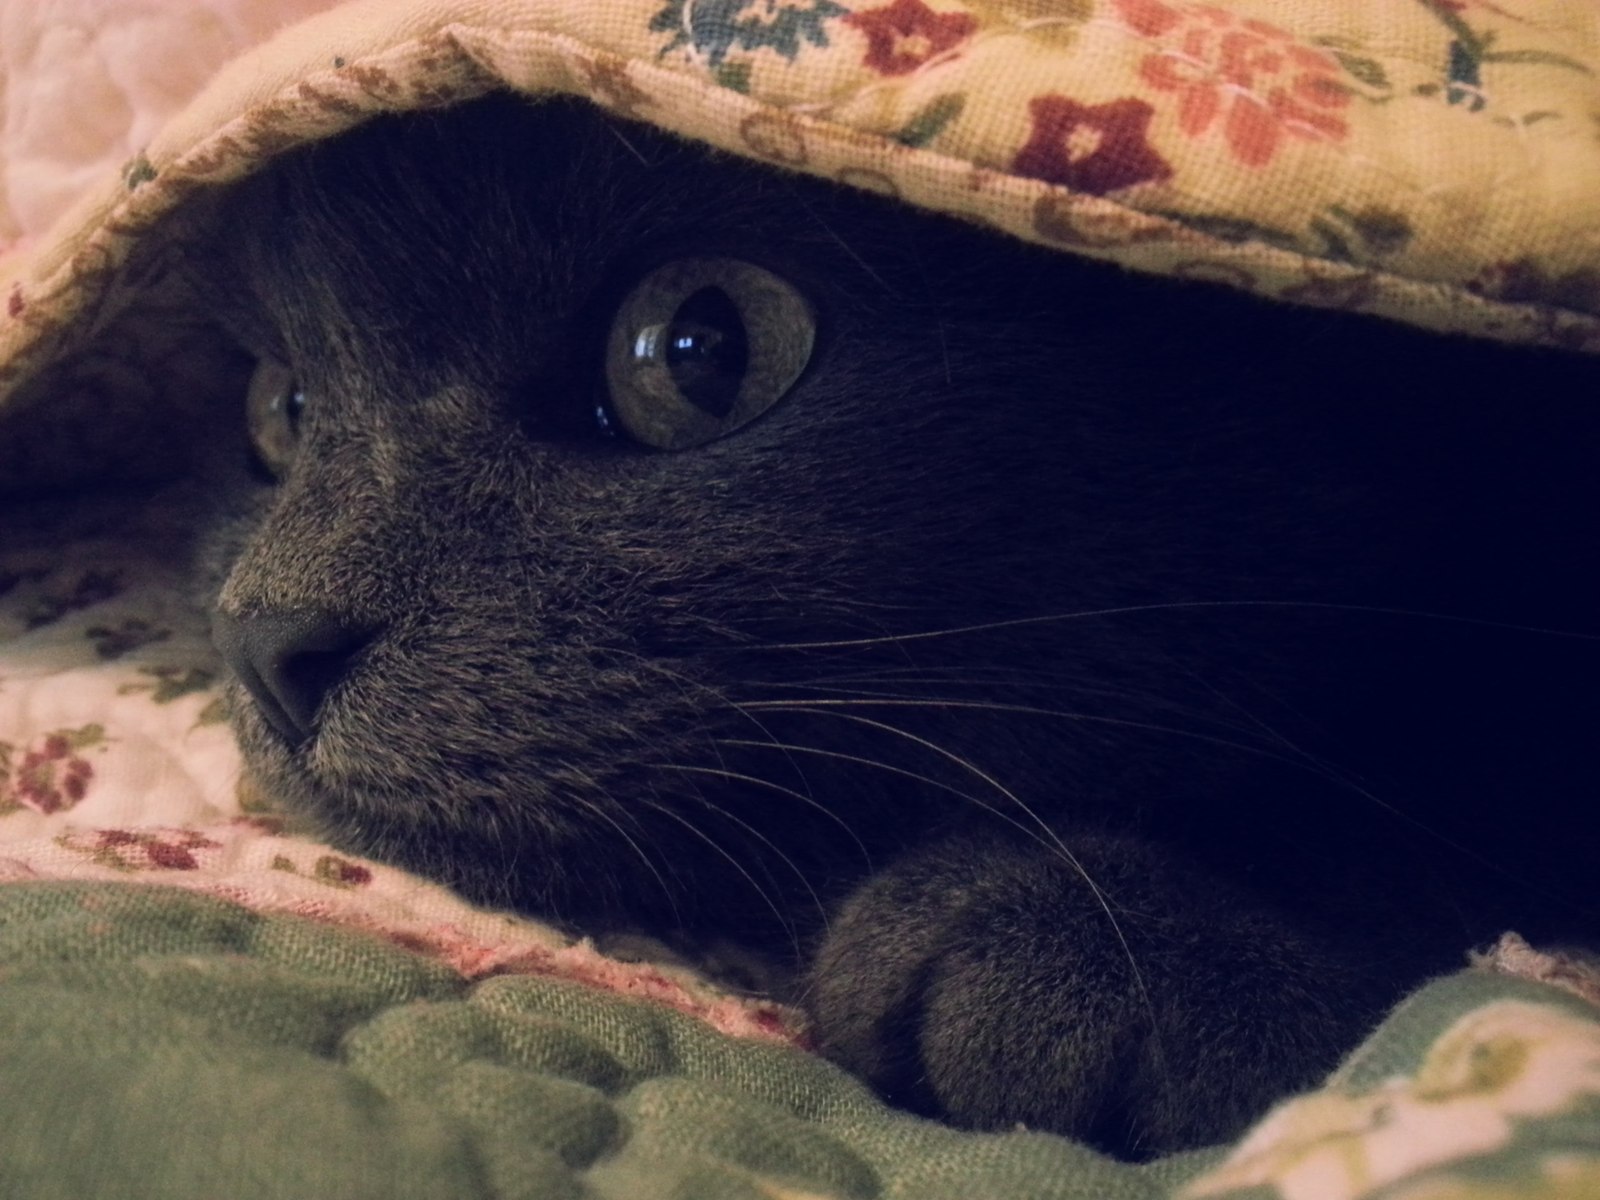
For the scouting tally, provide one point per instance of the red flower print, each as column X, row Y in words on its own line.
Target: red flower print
column 1149, row 17
column 906, row 34
column 1254, row 78
column 52, row 776
column 140, row 850
column 1091, row 148
column 341, row 872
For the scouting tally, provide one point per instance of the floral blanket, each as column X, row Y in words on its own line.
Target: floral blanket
column 195, row 1002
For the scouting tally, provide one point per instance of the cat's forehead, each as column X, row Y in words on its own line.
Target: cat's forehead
column 497, row 229
column 497, row 195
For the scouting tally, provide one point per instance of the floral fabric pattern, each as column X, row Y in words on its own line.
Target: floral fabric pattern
column 1251, row 78
column 1432, row 161
column 51, row 776
column 1498, row 1067
column 907, row 35
column 716, row 28
column 1093, row 149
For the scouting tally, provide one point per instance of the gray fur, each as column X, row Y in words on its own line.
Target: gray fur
column 585, row 676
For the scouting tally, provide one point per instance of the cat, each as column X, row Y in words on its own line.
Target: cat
column 1109, row 693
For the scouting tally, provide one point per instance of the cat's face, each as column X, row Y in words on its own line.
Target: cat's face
column 608, row 481
column 544, row 564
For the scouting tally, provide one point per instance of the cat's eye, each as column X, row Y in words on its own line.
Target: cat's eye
column 703, row 346
column 274, row 404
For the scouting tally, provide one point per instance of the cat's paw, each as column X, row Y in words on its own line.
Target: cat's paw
column 989, row 983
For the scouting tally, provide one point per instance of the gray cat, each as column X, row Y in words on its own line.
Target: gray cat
column 1110, row 694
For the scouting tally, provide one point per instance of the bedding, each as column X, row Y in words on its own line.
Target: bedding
column 197, row 1001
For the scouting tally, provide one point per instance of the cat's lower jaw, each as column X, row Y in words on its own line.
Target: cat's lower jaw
column 449, row 833
column 615, row 856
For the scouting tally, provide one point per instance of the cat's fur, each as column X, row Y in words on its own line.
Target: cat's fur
column 1108, row 687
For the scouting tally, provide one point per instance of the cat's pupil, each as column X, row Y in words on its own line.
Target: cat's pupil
column 707, row 352
column 291, row 403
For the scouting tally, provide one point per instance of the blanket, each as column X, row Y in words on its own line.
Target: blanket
column 199, row 1002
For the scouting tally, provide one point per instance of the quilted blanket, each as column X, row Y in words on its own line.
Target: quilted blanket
column 197, row 1002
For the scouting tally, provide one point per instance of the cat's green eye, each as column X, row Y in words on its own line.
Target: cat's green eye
column 703, row 346
column 273, row 404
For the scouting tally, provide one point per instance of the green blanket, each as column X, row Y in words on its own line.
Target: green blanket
column 162, row 1044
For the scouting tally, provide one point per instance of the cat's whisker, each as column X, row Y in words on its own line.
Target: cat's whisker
column 1320, row 767
column 942, row 704
column 1298, row 759
column 834, row 687
column 629, row 146
column 685, row 684
column 903, row 772
column 1271, row 733
column 1185, row 606
column 784, row 923
column 835, row 236
column 1055, row 844
column 598, row 810
column 960, row 672
column 740, row 777
column 701, row 798
column 835, row 693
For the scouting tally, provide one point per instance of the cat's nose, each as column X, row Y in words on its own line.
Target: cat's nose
column 289, row 661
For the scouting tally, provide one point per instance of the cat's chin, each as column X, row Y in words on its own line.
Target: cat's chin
column 586, row 861
column 456, row 832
